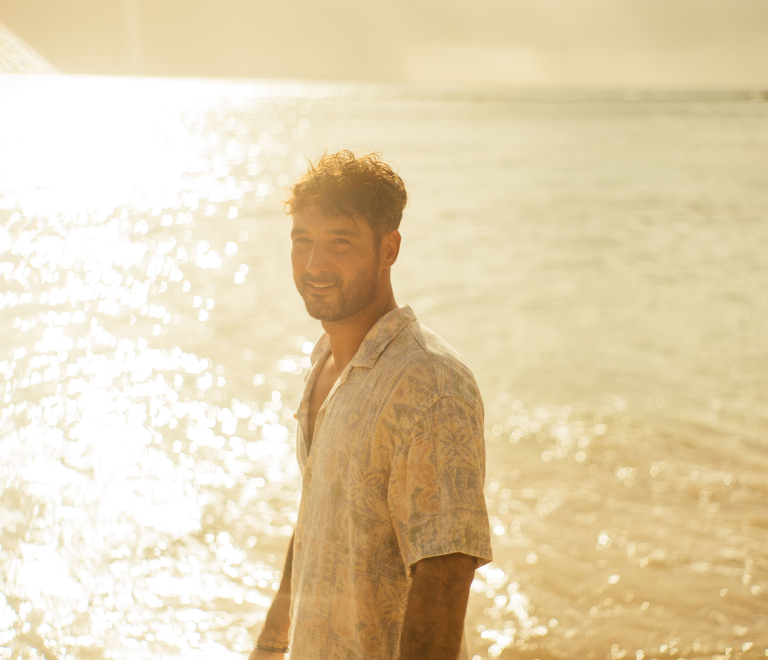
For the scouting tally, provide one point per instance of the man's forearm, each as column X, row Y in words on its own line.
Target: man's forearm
column 278, row 619
column 437, row 604
column 285, row 580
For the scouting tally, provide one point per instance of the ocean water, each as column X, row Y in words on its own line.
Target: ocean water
column 598, row 259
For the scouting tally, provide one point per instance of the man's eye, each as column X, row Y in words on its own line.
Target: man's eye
column 300, row 241
column 341, row 241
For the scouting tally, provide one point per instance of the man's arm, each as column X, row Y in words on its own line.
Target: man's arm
column 437, row 604
column 278, row 619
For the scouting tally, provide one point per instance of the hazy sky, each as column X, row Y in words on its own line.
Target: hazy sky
column 627, row 43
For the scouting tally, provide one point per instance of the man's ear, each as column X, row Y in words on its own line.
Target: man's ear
column 390, row 248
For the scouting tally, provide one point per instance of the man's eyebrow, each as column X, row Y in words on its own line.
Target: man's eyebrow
column 336, row 232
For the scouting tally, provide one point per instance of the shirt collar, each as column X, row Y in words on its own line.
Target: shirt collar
column 377, row 339
column 381, row 334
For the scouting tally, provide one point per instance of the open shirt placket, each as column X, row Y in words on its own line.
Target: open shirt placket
column 303, row 412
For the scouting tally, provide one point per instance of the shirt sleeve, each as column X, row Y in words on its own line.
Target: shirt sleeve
column 435, row 495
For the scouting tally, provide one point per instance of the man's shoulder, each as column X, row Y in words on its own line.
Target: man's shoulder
column 424, row 360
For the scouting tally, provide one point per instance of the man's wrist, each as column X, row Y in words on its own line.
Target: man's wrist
column 272, row 636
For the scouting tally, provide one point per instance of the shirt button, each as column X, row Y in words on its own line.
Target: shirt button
column 308, row 477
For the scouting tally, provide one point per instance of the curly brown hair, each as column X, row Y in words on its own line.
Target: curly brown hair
column 343, row 184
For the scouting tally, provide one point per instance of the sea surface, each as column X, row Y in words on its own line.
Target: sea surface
column 599, row 259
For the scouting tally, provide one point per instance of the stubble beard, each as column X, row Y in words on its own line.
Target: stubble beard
column 348, row 300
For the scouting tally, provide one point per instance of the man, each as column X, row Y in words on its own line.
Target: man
column 392, row 522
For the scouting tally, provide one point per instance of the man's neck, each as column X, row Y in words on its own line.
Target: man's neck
column 347, row 335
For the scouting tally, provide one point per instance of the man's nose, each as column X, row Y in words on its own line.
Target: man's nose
column 318, row 260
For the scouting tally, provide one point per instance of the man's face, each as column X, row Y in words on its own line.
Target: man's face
column 335, row 264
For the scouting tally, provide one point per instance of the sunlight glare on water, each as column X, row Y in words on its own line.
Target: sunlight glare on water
column 121, row 461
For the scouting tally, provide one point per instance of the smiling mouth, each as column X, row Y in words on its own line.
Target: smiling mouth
column 320, row 285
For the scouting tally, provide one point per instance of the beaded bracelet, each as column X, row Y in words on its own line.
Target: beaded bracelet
column 270, row 646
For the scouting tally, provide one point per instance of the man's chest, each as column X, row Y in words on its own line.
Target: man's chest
column 319, row 392
column 352, row 442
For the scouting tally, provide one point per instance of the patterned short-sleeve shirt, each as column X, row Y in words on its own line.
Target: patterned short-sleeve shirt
column 394, row 474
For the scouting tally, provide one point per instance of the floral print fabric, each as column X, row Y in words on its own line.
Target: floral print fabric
column 394, row 474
